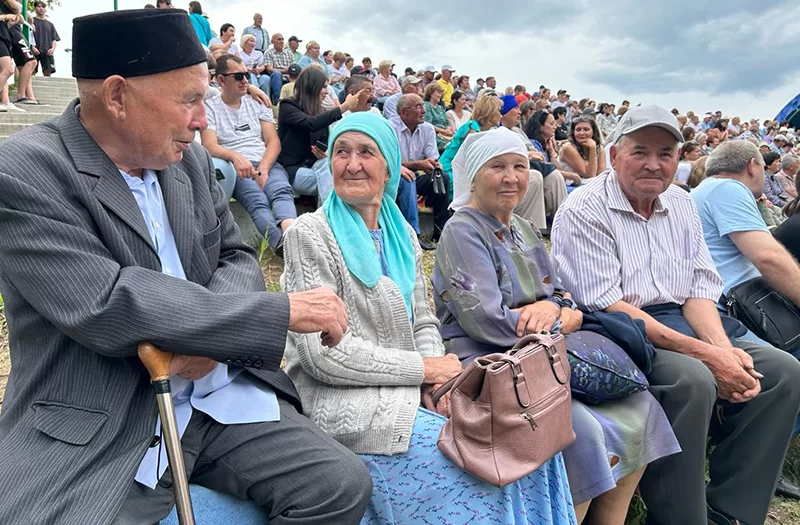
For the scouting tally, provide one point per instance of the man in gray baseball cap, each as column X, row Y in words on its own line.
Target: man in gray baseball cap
column 409, row 85
column 646, row 116
column 630, row 241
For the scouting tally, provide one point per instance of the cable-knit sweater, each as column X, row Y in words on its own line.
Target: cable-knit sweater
column 365, row 391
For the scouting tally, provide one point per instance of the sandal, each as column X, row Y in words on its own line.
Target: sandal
column 29, row 102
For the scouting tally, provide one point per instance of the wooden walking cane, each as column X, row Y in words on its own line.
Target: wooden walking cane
column 157, row 364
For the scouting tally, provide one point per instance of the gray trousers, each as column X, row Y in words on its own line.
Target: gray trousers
column 544, row 196
column 290, row 467
column 750, row 439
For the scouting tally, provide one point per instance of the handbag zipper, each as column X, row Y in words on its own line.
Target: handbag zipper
column 545, row 404
column 529, row 418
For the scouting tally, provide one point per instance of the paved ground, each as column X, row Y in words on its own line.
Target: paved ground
column 782, row 512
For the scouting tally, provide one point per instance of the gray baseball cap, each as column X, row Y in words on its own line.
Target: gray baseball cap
column 644, row 116
column 411, row 79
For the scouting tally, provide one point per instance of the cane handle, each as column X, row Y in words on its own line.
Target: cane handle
column 156, row 361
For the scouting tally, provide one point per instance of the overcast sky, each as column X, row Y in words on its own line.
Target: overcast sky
column 741, row 56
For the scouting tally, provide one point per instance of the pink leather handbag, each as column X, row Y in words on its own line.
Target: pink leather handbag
column 510, row 412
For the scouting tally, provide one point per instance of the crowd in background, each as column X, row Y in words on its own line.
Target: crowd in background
column 655, row 217
column 569, row 139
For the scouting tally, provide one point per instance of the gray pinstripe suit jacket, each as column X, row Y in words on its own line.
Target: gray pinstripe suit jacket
column 82, row 285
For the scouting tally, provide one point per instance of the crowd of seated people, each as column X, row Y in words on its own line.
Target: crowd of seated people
column 666, row 214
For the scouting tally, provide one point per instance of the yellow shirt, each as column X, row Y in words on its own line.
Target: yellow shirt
column 448, row 91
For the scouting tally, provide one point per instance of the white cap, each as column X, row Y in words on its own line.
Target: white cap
column 448, row 68
column 430, row 69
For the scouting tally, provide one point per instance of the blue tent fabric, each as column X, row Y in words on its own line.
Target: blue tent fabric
column 788, row 109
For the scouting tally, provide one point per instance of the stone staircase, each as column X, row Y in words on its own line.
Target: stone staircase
column 54, row 93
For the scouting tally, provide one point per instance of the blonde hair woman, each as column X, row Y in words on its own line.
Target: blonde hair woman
column 385, row 84
column 485, row 116
column 254, row 61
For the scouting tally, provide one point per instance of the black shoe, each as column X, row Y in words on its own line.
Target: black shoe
column 279, row 248
column 425, row 244
column 787, row 489
column 718, row 518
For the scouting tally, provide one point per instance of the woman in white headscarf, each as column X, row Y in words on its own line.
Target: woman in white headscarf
column 494, row 283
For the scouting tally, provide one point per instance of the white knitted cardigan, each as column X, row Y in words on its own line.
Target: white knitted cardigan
column 365, row 391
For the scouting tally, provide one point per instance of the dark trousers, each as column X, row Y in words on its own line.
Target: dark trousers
column 750, row 439
column 407, row 194
column 290, row 467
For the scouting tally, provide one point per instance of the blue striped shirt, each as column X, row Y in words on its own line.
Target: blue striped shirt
column 226, row 394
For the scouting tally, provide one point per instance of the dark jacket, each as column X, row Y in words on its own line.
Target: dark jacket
column 629, row 333
column 82, row 286
column 298, row 131
column 788, row 234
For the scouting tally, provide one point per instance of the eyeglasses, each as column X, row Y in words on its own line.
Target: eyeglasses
column 238, row 76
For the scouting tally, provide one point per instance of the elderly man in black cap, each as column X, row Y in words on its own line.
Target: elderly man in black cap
column 113, row 230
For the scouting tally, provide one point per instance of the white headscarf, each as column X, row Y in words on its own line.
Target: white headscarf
column 477, row 150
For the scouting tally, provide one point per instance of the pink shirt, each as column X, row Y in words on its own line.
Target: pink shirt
column 385, row 87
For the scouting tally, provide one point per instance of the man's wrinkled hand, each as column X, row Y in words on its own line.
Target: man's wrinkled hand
column 191, row 368
column 318, row 310
column 734, row 382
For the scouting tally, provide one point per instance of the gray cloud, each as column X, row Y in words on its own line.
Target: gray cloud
column 398, row 20
column 643, row 47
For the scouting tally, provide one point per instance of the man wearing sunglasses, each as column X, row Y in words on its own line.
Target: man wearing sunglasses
column 242, row 131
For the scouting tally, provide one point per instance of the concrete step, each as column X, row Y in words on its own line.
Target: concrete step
column 8, row 129
column 53, row 98
column 27, row 118
column 55, row 81
column 42, row 112
column 54, row 93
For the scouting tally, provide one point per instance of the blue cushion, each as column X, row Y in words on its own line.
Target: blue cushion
column 601, row 370
column 216, row 508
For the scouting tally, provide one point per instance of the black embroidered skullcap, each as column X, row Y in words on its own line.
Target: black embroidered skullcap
column 134, row 43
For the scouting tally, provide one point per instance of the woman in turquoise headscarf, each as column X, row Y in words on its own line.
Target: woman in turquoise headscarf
column 366, row 391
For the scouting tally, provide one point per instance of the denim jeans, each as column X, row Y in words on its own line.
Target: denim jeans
column 262, row 81
column 275, row 85
column 316, row 180
column 407, row 202
column 270, row 206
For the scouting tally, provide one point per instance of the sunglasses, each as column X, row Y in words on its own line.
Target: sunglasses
column 238, row 76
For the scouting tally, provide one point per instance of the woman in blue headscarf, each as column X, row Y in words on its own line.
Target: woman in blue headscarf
column 366, row 391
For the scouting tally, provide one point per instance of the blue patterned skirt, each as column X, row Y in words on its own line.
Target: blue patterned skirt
column 423, row 486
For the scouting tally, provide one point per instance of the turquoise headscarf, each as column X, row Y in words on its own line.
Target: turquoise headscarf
column 349, row 228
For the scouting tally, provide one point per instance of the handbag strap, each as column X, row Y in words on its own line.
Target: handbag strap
column 437, row 394
column 543, row 338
